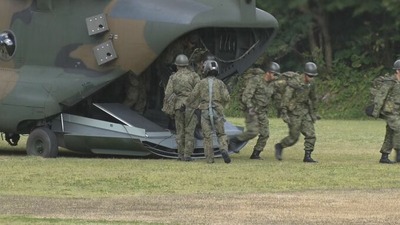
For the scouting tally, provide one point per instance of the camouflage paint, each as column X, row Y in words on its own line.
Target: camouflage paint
column 54, row 65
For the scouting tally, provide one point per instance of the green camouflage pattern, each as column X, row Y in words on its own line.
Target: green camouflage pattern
column 64, row 56
column 135, row 93
column 281, row 82
column 245, row 78
column 257, row 124
column 258, row 95
column 391, row 140
column 299, row 97
column 387, row 106
column 182, row 84
column 200, row 96
column 299, row 105
column 199, row 99
column 387, row 98
column 392, row 136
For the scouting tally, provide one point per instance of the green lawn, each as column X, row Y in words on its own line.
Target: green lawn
column 347, row 151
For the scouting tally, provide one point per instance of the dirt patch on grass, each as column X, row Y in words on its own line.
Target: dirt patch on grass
column 311, row 207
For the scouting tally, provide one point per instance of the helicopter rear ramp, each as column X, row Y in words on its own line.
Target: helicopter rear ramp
column 123, row 132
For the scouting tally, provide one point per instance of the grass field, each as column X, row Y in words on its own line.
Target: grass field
column 74, row 189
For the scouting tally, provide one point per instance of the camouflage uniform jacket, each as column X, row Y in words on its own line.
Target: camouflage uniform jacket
column 196, row 60
column 220, row 95
column 181, row 83
column 258, row 93
column 244, row 80
column 387, row 98
column 299, row 97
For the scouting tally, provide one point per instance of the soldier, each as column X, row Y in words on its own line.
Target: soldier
column 256, row 97
column 181, row 84
column 213, row 96
column 135, row 97
column 298, row 111
column 7, row 46
column 386, row 106
column 197, row 57
column 186, row 45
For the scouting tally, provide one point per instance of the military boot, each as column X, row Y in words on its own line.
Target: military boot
column 235, row 144
column 385, row 159
column 278, row 151
column 397, row 156
column 255, row 155
column 180, row 157
column 210, row 161
column 307, row 157
column 225, row 156
column 187, row 159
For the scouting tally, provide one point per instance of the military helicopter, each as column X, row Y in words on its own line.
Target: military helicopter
column 67, row 67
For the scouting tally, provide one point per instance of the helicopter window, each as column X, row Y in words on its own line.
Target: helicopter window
column 7, row 45
column 227, row 42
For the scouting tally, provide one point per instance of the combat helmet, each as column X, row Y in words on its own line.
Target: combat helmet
column 182, row 60
column 210, row 67
column 311, row 69
column 274, row 68
column 396, row 65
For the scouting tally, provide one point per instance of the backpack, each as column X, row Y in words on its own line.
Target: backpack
column 244, row 79
column 169, row 105
column 283, row 81
column 376, row 84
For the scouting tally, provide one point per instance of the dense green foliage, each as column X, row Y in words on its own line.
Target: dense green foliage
column 352, row 42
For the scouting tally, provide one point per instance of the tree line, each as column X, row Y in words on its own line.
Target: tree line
column 351, row 41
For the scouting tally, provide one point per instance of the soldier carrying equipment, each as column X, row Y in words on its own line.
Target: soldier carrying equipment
column 298, row 111
column 211, row 98
column 385, row 105
column 374, row 89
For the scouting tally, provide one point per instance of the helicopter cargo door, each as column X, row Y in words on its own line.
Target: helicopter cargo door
column 124, row 132
column 129, row 117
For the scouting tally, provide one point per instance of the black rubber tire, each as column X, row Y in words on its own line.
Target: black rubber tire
column 42, row 142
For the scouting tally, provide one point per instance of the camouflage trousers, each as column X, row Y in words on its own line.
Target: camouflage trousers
column 207, row 128
column 300, row 124
column 135, row 99
column 392, row 136
column 256, row 124
column 185, row 123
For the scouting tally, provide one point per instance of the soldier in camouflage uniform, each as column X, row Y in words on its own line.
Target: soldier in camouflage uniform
column 298, row 111
column 197, row 58
column 187, row 45
column 181, row 84
column 257, row 95
column 135, row 89
column 386, row 106
column 213, row 96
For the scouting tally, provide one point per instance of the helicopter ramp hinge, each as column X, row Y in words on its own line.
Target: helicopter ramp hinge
column 105, row 52
column 97, row 24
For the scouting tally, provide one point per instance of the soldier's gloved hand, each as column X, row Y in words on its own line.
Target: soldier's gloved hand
column 369, row 110
column 285, row 116
column 315, row 117
column 278, row 113
column 197, row 112
column 183, row 108
column 375, row 113
column 252, row 111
